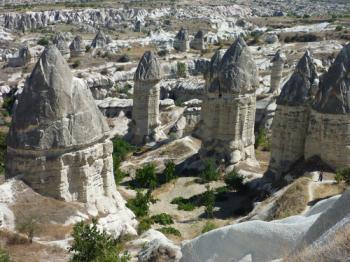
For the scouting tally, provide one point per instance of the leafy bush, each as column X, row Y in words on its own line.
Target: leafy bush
column 169, row 172
column 181, row 70
column 208, row 227
column 8, row 103
column 76, row 64
column 91, row 244
column 4, row 256
column 162, row 219
column 104, row 71
column 209, row 201
column 87, row 48
column 262, row 141
column 144, row 225
column 121, row 149
column 339, row 28
column 170, row 231
column 234, row 180
column 124, row 59
column 343, row 175
column 209, row 173
column 146, row 177
column 43, row 41
column 29, row 226
column 183, row 204
column 140, row 204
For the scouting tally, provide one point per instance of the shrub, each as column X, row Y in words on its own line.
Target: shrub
column 43, row 41
column 181, row 69
column 162, row 53
column 169, row 172
column 91, row 244
column 146, row 177
column 104, row 71
column 8, row 103
column 144, row 225
column 162, row 219
column 140, row 204
column 118, row 174
column 170, row 231
column 121, row 149
column 339, row 28
column 209, row 173
column 343, row 175
column 124, row 59
column 183, row 204
column 209, row 201
column 262, row 141
column 234, row 180
column 208, row 227
column 76, row 64
column 30, row 227
column 4, row 256
column 87, row 48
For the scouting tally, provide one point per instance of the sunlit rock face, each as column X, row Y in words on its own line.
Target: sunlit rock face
column 58, row 140
column 328, row 132
column 145, row 114
column 181, row 41
column 229, row 106
column 276, row 72
column 291, row 119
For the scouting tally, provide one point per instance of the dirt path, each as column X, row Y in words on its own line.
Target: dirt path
column 312, row 186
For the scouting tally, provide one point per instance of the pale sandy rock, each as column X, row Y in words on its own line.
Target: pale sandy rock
column 145, row 115
column 328, row 130
column 291, row 120
column 276, row 72
column 58, row 140
column 77, row 47
column 230, row 104
column 181, row 41
column 60, row 42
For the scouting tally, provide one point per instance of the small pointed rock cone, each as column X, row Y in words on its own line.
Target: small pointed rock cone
column 182, row 35
column 276, row 72
column 238, row 72
column 60, row 42
column 146, row 100
column 334, row 93
column 298, row 90
column 100, row 40
column 77, row 47
column 53, row 111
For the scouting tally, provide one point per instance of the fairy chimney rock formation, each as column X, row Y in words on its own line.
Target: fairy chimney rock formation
column 199, row 42
column 145, row 114
column 77, row 47
column 291, row 119
column 100, row 40
column 24, row 57
column 328, row 134
column 232, row 102
column 181, row 41
column 60, row 42
column 58, row 140
column 276, row 72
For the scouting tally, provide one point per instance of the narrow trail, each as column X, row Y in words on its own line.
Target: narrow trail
column 313, row 184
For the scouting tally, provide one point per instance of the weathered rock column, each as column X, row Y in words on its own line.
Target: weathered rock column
column 291, row 119
column 328, row 133
column 232, row 133
column 276, row 72
column 58, row 140
column 181, row 41
column 60, row 42
column 77, row 47
column 145, row 112
column 199, row 42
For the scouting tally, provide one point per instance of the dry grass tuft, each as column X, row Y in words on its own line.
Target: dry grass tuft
column 323, row 191
column 337, row 248
column 294, row 200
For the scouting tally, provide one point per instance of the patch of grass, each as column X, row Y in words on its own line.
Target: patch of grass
column 144, row 225
column 169, row 172
column 209, row 201
column 181, row 70
column 208, row 227
column 170, row 231
column 121, row 149
column 210, row 172
column 294, row 200
column 162, row 219
column 183, row 204
column 4, row 256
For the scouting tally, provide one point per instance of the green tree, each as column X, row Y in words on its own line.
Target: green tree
column 93, row 245
column 234, row 180
column 181, row 70
column 140, row 204
column 209, row 173
column 343, row 175
column 209, row 201
column 146, row 177
column 169, row 172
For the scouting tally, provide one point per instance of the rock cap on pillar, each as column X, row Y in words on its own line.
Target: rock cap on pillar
column 148, row 69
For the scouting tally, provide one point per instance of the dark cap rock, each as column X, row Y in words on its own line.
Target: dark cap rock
column 148, row 68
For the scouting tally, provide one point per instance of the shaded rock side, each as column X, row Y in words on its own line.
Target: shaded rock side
column 181, row 41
